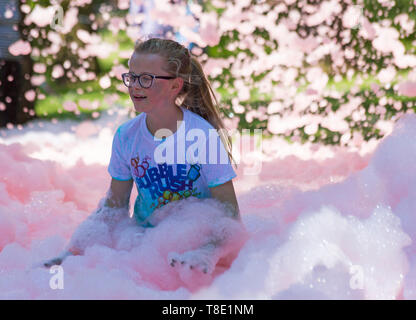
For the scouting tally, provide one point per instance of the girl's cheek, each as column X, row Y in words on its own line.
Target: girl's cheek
column 158, row 89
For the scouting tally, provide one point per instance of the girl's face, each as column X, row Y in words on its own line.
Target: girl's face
column 160, row 94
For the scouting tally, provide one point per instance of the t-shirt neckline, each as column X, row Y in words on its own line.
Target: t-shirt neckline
column 151, row 137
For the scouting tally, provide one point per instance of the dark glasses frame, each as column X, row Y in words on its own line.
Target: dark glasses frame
column 138, row 76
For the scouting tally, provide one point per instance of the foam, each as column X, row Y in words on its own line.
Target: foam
column 311, row 225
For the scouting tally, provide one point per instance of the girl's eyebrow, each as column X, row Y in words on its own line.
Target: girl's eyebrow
column 139, row 73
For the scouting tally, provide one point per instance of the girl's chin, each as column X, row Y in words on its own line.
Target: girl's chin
column 140, row 107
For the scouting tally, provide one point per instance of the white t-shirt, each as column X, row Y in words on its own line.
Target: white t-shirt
column 186, row 163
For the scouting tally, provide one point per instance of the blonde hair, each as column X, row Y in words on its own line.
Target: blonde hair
column 196, row 93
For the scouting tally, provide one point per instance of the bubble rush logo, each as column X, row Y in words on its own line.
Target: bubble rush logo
column 57, row 280
column 166, row 183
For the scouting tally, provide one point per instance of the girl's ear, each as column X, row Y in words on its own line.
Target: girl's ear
column 177, row 84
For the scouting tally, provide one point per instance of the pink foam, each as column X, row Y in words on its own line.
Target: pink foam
column 308, row 222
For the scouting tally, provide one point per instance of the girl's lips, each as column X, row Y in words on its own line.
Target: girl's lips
column 139, row 97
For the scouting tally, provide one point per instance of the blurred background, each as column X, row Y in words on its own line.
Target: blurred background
column 334, row 72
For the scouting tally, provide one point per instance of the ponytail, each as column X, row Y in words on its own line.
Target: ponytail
column 201, row 99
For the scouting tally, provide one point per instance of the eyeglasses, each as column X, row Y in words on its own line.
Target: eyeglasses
column 145, row 79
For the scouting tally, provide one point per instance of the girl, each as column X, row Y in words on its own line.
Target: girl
column 156, row 149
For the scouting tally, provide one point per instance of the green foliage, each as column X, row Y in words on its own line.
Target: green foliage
column 371, row 63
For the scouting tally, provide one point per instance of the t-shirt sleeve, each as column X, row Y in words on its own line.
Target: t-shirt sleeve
column 118, row 167
column 218, row 169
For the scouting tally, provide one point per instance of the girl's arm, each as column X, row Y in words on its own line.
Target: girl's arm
column 119, row 194
column 226, row 194
column 111, row 209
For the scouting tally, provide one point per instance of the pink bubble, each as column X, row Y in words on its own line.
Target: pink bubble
column 70, row 20
column 40, row 16
column 8, row 14
column 57, row 71
column 408, row 89
column 105, row 82
column 39, row 67
column 119, row 70
column 375, row 87
column 20, row 47
column 84, row 36
column 123, row 4
column 30, row 95
column 196, row 51
column 70, row 106
column 85, row 104
column 37, row 80
column 310, row 91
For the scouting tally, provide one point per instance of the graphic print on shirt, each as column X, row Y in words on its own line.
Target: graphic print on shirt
column 165, row 183
column 139, row 170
